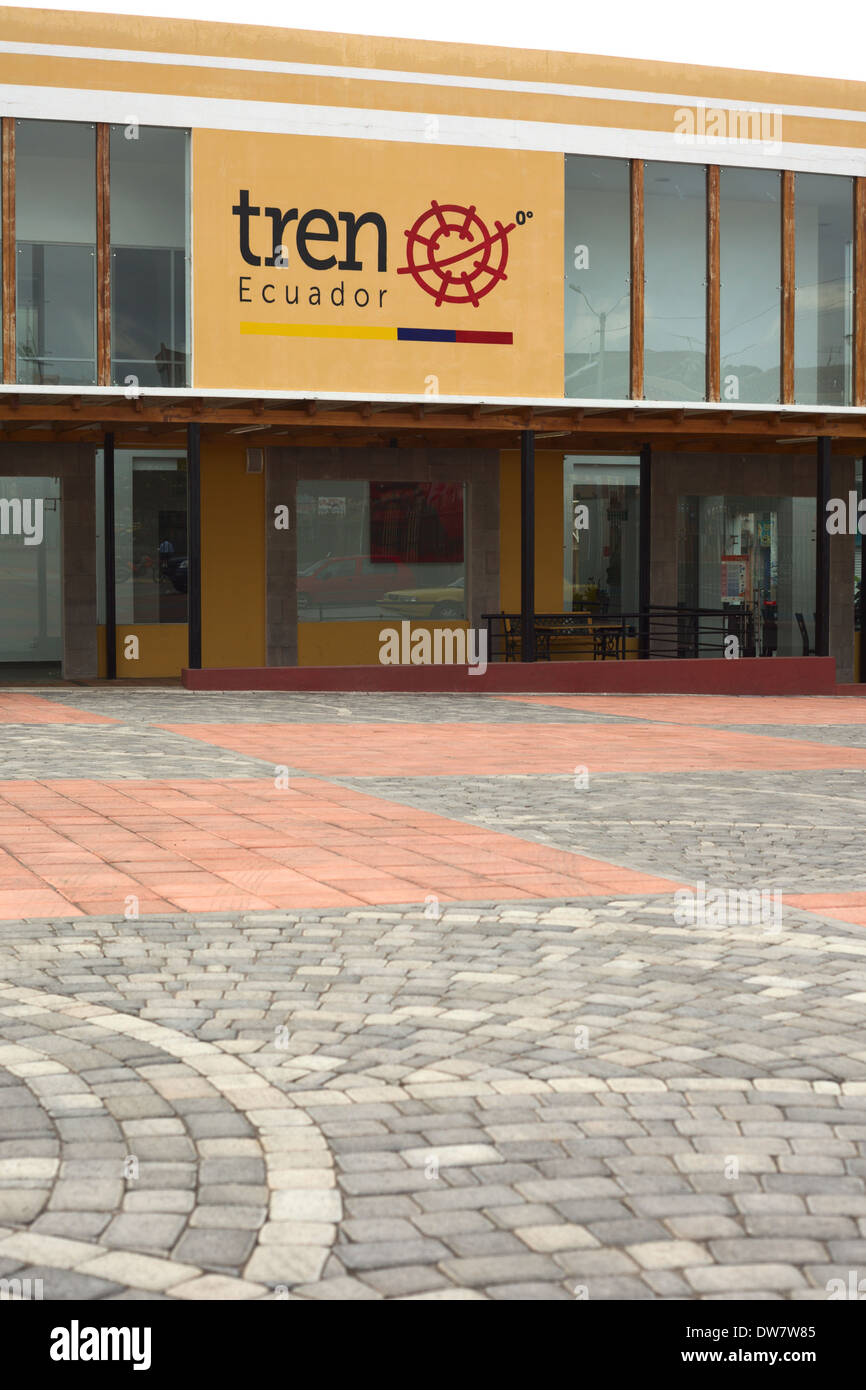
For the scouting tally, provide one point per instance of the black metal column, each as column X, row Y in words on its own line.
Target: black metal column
column 109, row 557
column 822, row 549
column 644, row 552
column 193, row 544
column 527, row 546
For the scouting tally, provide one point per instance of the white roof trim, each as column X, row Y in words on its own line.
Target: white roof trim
column 413, row 127
column 426, row 79
column 225, row 396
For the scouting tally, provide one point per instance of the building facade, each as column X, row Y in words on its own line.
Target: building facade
column 304, row 332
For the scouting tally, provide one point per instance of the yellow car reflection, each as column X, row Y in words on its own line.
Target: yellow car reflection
column 447, row 602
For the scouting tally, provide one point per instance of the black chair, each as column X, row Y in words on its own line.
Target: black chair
column 804, row 634
column 512, row 634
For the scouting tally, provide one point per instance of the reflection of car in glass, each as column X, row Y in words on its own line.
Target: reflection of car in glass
column 446, row 602
column 176, row 570
column 349, row 579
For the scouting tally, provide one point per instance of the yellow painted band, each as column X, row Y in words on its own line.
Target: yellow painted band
column 317, row 330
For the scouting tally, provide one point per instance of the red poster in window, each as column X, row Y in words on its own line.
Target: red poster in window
column 420, row 523
column 735, row 577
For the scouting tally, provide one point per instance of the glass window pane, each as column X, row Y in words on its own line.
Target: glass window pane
column 675, row 327
column 597, row 266
column 56, row 318
column 55, row 222
column 30, row 572
column 150, row 536
column 149, row 255
column 755, row 555
column 601, row 541
column 750, row 237
column 823, row 303
column 55, row 182
column 368, row 550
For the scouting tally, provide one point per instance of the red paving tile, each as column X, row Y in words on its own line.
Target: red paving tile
column 843, row 907
column 712, row 709
column 314, row 845
column 42, row 902
column 440, row 750
column 32, row 709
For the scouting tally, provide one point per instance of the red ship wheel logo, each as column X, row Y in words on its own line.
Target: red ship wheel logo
column 452, row 255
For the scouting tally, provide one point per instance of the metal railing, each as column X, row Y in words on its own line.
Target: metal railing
column 661, row 632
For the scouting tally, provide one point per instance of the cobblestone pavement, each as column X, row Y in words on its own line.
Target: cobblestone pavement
column 792, row 831
column 320, row 997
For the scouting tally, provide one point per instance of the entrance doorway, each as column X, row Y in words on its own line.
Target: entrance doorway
column 31, row 631
column 752, row 555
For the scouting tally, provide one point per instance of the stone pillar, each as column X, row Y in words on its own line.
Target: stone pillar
column 78, row 520
column 842, row 481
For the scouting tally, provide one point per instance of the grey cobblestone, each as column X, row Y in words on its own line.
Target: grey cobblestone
column 452, row 1039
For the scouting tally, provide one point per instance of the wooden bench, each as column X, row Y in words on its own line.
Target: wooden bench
column 580, row 635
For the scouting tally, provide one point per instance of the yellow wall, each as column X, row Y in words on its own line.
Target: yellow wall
column 233, row 558
column 162, row 649
column 260, row 327
column 352, row 644
column 548, row 532
column 325, row 77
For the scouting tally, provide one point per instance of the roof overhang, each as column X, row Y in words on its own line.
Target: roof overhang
column 149, row 415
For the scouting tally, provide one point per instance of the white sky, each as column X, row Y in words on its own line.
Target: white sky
column 798, row 36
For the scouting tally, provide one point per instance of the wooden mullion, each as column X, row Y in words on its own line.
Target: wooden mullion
column 858, row 396
column 788, row 286
column 7, row 232
column 103, row 257
column 713, row 285
column 637, row 280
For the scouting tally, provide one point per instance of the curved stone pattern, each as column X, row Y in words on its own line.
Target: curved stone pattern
column 167, row 1166
column 536, row 1101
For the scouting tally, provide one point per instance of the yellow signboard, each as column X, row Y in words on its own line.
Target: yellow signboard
column 367, row 266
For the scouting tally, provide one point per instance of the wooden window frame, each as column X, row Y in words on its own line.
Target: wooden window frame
column 103, row 255
column 713, row 364
column 636, row 344
column 789, row 251
column 8, row 252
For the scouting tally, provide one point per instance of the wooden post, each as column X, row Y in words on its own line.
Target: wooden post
column 637, row 278
column 7, row 193
column 713, row 285
column 788, row 284
column 527, row 546
column 103, row 256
